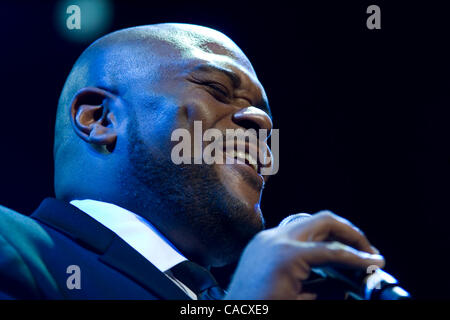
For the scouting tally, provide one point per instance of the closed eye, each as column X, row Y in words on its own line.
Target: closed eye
column 219, row 89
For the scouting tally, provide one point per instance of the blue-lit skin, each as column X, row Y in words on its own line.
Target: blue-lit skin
column 277, row 261
column 124, row 97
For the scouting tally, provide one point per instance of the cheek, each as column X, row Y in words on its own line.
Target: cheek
column 199, row 105
column 154, row 125
column 189, row 108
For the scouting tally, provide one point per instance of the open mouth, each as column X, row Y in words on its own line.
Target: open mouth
column 243, row 157
column 247, row 153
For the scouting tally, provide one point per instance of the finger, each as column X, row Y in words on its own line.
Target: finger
column 335, row 253
column 328, row 226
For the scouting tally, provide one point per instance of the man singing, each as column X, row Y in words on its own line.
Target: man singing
column 130, row 222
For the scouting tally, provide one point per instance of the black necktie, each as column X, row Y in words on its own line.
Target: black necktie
column 199, row 280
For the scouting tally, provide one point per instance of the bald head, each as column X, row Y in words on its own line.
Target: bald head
column 127, row 56
column 121, row 102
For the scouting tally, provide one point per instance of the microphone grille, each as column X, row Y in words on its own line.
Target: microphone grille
column 294, row 218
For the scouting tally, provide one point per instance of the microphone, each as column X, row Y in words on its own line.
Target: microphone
column 373, row 284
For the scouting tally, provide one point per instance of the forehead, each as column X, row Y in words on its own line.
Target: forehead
column 220, row 55
column 189, row 50
column 203, row 43
column 165, row 52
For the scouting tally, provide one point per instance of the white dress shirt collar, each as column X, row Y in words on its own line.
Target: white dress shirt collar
column 135, row 230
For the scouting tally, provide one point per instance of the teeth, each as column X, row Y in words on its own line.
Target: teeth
column 244, row 156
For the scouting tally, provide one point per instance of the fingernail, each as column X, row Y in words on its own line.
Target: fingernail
column 371, row 256
column 376, row 257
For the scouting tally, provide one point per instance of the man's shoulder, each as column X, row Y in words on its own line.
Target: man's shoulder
column 19, row 228
column 21, row 241
column 22, row 234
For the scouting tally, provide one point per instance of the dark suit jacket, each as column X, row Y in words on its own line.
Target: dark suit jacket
column 36, row 251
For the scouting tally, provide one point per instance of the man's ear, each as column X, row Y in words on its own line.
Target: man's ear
column 92, row 119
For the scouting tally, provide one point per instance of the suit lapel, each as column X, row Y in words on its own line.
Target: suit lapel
column 113, row 251
column 74, row 223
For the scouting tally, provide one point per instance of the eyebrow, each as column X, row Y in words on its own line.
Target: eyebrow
column 235, row 79
column 214, row 68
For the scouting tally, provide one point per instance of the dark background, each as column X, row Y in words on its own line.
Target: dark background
column 363, row 114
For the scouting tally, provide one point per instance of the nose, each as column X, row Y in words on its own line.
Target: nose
column 253, row 118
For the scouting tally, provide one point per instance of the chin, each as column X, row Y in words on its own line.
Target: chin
column 237, row 219
column 242, row 184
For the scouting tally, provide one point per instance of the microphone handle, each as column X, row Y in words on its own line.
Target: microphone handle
column 374, row 284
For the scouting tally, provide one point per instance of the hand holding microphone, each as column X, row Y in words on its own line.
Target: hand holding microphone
column 278, row 261
column 371, row 284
